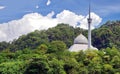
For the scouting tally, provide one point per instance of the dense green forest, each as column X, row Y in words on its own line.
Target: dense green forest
column 46, row 52
column 58, row 60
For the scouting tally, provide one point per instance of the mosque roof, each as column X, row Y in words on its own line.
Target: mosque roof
column 80, row 39
column 80, row 43
column 78, row 47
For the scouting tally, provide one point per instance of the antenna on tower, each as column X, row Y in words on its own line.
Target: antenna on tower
column 89, row 26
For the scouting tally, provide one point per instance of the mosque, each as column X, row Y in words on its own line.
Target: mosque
column 81, row 42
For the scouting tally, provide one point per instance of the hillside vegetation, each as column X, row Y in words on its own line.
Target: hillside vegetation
column 56, row 59
column 46, row 52
column 107, row 35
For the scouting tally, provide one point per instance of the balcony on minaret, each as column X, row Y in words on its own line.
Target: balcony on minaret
column 89, row 20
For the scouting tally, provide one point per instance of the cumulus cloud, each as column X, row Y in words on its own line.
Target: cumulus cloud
column 2, row 7
column 50, row 15
column 3, row 35
column 28, row 23
column 36, row 21
column 78, row 20
column 96, row 20
column 69, row 17
column 48, row 2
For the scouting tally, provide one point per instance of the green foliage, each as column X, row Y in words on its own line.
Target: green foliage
column 106, row 61
column 106, row 36
column 46, row 52
column 62, row 32
column 15, row 67
column 4, row 45
column 56, row 46
column 102, row 38
column 38, row 66
column 42, row 48
column 56, row 66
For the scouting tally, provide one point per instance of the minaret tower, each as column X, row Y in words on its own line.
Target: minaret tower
column 89, row 27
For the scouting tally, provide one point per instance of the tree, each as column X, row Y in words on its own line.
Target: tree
column 57, row 46
column 15, row 67
column 38, row 66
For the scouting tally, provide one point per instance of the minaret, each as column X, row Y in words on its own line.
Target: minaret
column 89, row 27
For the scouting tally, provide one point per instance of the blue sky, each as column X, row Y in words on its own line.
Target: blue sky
column 16, row 9
column 18, row 17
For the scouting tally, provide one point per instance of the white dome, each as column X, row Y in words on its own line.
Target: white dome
column 81, row 39
column 80, row 43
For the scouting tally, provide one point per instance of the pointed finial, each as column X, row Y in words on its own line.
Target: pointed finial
column 89, row 8
column 89, row 18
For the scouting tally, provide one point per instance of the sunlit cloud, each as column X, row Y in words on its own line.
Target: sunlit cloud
column 48, row 2
column 35, row 21
column 2, row 7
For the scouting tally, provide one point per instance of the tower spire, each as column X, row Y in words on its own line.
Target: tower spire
column 89, row 26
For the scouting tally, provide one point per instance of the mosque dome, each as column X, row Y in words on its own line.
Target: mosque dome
column 80, row 43
column 80, row 39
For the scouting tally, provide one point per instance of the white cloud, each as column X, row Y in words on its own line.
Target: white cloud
column 36, row 6
column 28, row 23
column 2, row 7
column 2, row 35
column 96, row 20
column 69, row 17
column 73, row 19
column 33, row 21
column 48, row 2
column 50, row 15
